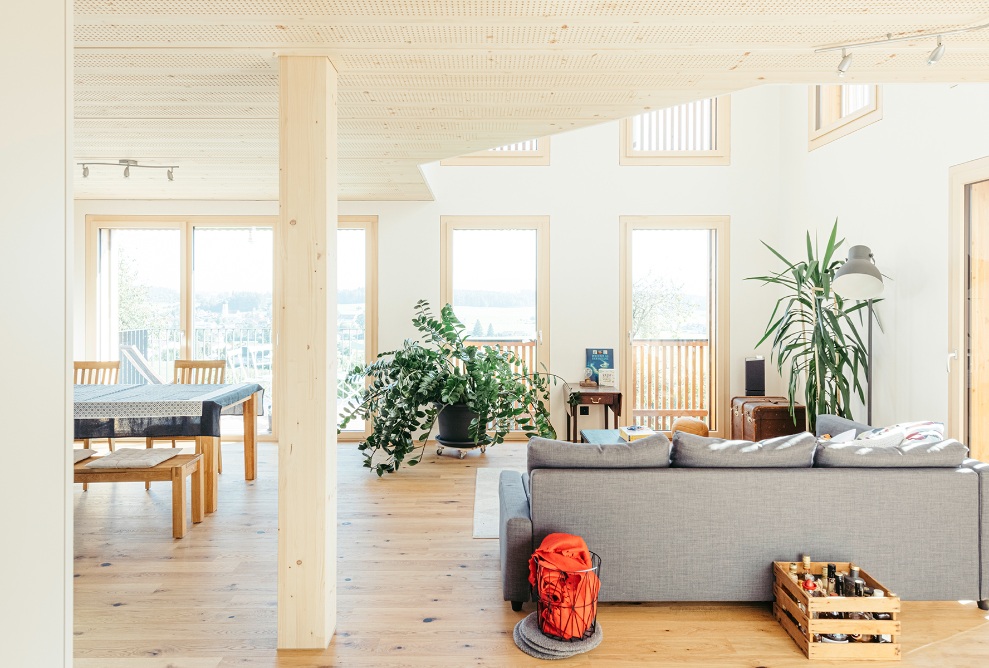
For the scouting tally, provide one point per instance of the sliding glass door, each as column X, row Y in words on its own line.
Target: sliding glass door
column 184, row 288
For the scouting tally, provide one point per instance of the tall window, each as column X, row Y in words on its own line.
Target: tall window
column 161, row 289
column 533, row 152
column 840, row 109
column 357, row 301
column 695, row 133
column 495, row 274
column 674, row 301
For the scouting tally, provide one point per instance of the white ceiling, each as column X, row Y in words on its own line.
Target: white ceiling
column 195, row 82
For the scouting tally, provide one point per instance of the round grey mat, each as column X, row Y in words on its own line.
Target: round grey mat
column 533, row 642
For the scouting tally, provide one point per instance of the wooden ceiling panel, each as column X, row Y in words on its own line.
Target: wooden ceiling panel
column 195, row 82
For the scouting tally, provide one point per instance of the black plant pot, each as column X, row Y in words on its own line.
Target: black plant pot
column 454, row 424
column 454, row 429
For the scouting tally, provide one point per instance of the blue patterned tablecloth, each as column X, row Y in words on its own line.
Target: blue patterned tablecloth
column 118, row 411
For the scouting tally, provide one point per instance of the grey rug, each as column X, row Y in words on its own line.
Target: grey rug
column 531, row 640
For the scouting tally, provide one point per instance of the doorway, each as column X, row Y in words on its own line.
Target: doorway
column 968, row 358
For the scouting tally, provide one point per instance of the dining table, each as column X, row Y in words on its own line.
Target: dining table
column 174, row 411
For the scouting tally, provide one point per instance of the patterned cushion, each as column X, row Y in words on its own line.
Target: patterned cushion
column 650, row 452
column 859, row 454
column 882, row 438
column 914, row 432
column 794, row 451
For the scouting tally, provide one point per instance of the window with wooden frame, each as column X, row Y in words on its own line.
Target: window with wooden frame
column 357, row 303
column 495, row 274
column 674, row 319
column 837, row 110
column 694, row 133
column 162, row 288
column 533, row 152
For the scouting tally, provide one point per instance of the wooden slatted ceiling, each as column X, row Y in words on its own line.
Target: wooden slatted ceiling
column 194, row 82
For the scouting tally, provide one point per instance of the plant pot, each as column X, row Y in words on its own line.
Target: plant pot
column 454, row 424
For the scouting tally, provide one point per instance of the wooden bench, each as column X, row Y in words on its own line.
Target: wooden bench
column 175, row 469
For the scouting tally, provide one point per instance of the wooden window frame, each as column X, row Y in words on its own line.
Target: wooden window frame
column 719, row 156
column 838, row 126
column 185, row 225
column 720, row 345
column 540, row 224
column 370, row 226
column 488, row 158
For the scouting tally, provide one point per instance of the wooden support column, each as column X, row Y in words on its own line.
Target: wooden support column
column 305, row 397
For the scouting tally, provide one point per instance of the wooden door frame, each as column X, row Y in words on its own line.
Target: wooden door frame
column 721, row 334
column 959, row 178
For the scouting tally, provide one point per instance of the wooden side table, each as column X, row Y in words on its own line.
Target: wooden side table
column 605, row 395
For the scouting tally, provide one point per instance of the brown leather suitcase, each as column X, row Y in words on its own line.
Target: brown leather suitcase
column 738, row 413
column 769, row 417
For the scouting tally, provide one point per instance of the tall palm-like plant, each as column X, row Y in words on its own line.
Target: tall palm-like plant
column 813, row 334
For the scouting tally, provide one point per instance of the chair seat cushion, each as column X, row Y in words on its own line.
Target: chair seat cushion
column 132, row 458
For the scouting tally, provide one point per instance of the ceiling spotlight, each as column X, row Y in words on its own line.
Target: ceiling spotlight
column 846, row 62
column 85, row 171
column 937, row 53
column 171, row 175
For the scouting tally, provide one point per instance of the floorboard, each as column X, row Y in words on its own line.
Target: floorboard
column 415, row 589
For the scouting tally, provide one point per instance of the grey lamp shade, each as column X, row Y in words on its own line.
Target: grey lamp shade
column 858, row 277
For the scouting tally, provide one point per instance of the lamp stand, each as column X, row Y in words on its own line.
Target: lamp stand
column 868, row 372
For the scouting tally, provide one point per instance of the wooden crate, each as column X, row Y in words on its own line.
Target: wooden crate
column 797, row 612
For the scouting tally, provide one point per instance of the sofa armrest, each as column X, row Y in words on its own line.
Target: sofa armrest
column 982, row 469
column 515, row 532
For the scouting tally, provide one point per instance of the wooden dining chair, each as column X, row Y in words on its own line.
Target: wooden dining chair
column 197, row 372
column 95, row 373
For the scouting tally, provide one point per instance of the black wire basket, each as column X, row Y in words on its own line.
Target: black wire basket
column 567, row 601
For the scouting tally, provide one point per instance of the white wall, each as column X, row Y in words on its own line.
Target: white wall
column 888, row 186
column 584, row 192
column 35, row 261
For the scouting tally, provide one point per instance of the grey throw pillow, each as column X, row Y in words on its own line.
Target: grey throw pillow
column 692, row 451
column 650, row 452
column 858, row 454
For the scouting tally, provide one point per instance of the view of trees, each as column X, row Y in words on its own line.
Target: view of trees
column 661, row 310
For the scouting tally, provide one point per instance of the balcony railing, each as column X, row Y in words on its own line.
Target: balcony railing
column 670, row 379
column 247, row 352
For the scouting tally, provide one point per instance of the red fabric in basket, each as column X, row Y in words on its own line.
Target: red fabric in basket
column 569, row 598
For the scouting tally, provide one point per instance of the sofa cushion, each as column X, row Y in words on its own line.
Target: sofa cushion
column 650, row 452
column 859, row 454
column 794, row 451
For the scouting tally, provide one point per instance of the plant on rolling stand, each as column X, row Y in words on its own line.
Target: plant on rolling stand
column 404, row 391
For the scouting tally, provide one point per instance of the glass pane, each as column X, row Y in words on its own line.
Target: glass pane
column 139, row 301
column 685, row 127
column 672, row 298
column 351, row 306
column 855, row 97
column 231, row 292
column 494, row 287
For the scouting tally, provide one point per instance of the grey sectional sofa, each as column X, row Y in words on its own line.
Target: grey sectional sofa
column 709, row 534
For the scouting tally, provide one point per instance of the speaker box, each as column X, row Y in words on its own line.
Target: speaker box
column 755, row 376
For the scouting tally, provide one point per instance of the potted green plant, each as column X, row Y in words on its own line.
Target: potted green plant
column 479, row 393
column 813, row 334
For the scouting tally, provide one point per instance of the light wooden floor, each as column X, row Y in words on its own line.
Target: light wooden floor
column 414, row 588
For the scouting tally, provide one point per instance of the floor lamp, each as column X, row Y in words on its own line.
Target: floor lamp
column 859, row 279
